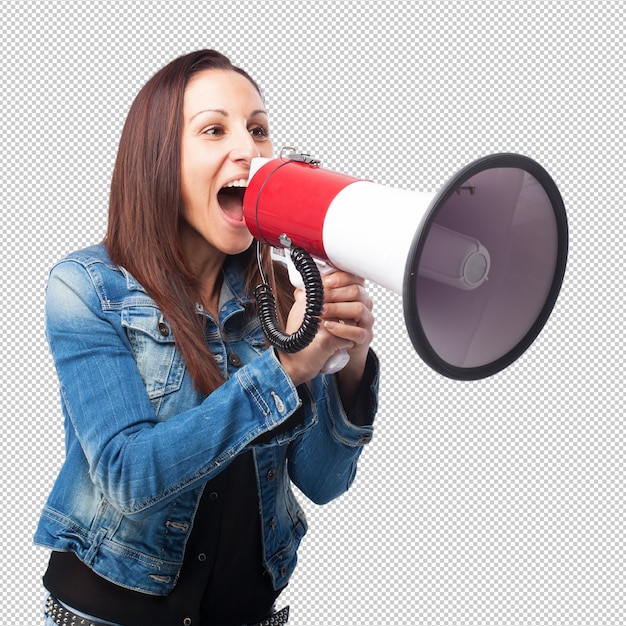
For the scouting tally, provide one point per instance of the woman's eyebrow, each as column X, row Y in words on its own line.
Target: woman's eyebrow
column 220, row 111
column 225, row 113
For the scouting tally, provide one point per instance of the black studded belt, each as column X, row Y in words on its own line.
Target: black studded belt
column 64, row 617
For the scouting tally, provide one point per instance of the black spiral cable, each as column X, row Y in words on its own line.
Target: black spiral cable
column 314, row 289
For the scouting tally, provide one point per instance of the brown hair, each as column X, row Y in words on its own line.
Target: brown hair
column 146, row 209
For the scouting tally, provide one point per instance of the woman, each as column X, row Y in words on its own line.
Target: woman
column 183, row 430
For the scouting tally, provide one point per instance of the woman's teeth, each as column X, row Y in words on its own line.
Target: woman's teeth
column 242, row 182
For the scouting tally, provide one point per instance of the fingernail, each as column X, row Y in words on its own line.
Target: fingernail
column 330, row 325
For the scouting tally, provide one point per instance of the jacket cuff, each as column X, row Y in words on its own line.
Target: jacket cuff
column 275, row 402
column 356, row 427
column 366, row 404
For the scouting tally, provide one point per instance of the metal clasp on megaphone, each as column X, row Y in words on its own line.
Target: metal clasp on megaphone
column 292, row 154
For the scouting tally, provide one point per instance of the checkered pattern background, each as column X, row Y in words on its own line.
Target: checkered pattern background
column 499, row 501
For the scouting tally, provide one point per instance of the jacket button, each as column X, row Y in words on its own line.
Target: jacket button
column 283, row 570
column 271, row 475
column 280, row 405
column 213, row 495
column 163, row 329
column 187, row 621
column 202, row 557
column 272, row 523
column 235, row 360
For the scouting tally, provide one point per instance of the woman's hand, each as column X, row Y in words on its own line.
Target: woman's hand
column 348, row 316
column 347, row 324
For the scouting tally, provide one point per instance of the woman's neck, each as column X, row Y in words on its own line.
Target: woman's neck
column 206, row 263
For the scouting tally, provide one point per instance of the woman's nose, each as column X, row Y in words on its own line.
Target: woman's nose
column 244, row 147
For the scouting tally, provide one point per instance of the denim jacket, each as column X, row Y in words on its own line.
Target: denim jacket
column 141, row 442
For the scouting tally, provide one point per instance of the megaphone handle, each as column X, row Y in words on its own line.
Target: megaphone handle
column 340, row 359
column 336, row 362
column 268, row 315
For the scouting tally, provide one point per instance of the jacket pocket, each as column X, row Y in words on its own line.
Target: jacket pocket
column 160, row 364
column 253, row 335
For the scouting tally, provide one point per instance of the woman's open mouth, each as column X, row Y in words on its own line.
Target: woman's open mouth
column 230, row 199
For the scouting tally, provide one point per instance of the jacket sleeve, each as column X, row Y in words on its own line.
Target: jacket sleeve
column 137, row 461
column 323, row 462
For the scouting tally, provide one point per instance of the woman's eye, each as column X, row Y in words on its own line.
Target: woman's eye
column 213, row 131
column 259, row 132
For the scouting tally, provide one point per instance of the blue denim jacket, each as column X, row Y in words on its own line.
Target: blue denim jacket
column 141, row 442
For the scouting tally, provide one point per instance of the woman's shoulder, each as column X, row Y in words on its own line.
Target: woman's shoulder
column 95, row 254
column 91, row 269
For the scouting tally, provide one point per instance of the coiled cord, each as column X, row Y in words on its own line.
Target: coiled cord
column 314, row 289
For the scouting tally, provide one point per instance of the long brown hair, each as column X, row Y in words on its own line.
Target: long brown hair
column 146, row 209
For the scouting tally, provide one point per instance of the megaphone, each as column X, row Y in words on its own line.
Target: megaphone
column 479, row 264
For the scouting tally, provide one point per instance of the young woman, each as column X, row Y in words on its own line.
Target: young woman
column 184, row 430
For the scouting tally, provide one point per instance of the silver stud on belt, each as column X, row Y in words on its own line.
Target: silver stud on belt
column 62, row 617
column 278, row 619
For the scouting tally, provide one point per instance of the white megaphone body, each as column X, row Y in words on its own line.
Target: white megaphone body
column 479, row 265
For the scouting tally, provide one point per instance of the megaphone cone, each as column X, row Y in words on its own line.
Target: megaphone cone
column 479, row 265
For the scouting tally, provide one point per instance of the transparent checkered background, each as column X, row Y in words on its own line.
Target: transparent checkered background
column 492, row 502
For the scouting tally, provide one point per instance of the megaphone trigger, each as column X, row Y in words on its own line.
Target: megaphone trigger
column 283, row 256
